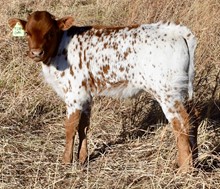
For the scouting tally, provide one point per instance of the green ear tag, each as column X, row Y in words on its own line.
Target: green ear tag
column 18, row 30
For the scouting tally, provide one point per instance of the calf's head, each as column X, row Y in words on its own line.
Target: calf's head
column 43, row 33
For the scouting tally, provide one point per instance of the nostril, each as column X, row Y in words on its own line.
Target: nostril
column 32, row 52
column 37, row 52
column 41, row 53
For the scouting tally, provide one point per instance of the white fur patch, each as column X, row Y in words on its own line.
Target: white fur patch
column 157, row 58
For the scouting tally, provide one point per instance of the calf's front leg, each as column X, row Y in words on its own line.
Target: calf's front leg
column 83, row 128
column 71, row 127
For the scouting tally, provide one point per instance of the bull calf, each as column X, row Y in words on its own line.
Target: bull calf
column 82, row 62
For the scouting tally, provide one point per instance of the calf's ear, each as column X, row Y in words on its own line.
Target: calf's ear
column 13, row 21
column 65, row 23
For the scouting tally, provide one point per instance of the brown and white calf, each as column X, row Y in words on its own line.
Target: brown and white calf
column 81, row 62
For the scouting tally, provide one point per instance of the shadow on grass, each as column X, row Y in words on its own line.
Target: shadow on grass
column 148, row 124
column 211, row 111
column 209, row 164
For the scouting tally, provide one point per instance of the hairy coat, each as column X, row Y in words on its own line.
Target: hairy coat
column 82, row 62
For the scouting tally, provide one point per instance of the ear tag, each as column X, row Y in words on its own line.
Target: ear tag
column 18, row 30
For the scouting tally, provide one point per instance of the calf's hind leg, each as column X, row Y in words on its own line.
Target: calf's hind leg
column 179, row 119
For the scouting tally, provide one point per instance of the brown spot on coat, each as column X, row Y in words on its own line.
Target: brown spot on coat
column 179, row 107
column 80, row 60
column 125, row 54
column 84, row 58
column 62, row 74
column 88, row 65
column 71, row 71
column 115, row 46
column 121, row 68
column 105, row 45
column 98, row 33
column 170, row 110
column 92, row 82
column 106, row 69
column 119, row 84
column 135, row 35
column 84, row 84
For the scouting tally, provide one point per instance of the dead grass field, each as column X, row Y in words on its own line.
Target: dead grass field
column 130, row 144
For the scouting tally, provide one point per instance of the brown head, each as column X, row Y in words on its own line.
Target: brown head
column 43, row 33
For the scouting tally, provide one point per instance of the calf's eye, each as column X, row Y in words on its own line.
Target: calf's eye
column 27, row 34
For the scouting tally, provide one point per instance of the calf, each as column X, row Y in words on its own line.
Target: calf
column 81, row 62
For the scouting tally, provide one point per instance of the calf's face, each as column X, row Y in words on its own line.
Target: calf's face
column 44, row 33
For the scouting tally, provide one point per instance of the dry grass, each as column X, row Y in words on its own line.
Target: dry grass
column 129, row 145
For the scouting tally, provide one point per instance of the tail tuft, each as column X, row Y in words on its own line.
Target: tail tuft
column 191, row 41
column 187, row 34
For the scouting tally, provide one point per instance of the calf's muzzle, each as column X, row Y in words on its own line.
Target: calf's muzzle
column 36, row 54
